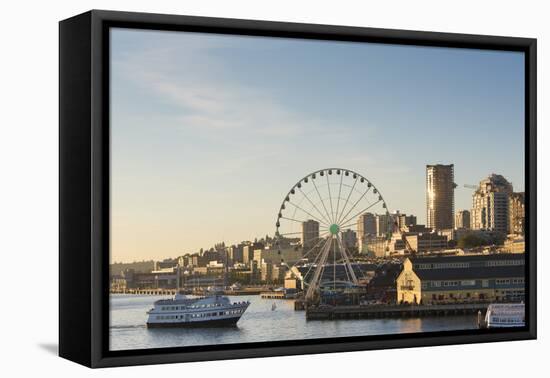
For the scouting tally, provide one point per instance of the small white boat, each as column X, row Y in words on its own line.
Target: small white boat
column 505, row 315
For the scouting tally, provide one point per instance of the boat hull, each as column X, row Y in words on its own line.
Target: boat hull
column 505, row 325
column 227, row 322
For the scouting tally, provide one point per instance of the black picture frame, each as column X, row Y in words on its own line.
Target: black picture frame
column 84, row 186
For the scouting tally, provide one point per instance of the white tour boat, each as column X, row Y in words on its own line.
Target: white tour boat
column 183, row 311
column 504, row 315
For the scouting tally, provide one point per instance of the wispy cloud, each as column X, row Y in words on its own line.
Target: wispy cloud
column 205, row 97
column 254, row 125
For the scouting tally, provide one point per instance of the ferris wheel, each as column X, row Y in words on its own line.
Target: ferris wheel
column 325, row 212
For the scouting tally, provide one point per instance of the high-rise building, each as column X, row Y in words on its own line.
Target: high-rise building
column 404, row 220
column 366, row 225
column 440, row 196
column 516, row 222
column 310, row 233
column 490, row 204
column 462, row 219
column 384, row 224
column 349, row 238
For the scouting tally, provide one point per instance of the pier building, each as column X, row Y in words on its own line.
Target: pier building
column 462, row 279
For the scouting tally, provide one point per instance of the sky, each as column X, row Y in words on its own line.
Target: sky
column 209, row 132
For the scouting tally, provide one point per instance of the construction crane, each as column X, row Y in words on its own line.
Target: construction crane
column 408, row 246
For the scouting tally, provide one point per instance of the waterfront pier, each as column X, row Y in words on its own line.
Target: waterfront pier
column 392, row 311
column 145, row 291
column 273, row 295
column 165, row 291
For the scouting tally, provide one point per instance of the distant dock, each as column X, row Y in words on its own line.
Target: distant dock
column 146, row 291
column 273, row 295
column 168, row 292
column 277, row 294
column 392, row 311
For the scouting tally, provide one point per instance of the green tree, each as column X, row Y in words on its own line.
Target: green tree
column 471, row 241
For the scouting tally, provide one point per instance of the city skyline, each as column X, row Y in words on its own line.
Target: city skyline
column 209, row 132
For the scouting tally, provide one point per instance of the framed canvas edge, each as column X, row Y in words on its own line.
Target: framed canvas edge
column 75, row 336
column 99, row 201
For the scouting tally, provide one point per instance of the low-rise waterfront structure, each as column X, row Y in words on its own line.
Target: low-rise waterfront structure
column 332, row 274
column 457, row 279
column 165, row 278
column 382, row 285
column 118, row 283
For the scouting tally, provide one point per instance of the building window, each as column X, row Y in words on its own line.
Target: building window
column 450, row 283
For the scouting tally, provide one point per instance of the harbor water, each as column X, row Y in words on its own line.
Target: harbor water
column 261, row 322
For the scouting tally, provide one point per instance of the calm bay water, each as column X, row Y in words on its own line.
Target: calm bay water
column 259, row 323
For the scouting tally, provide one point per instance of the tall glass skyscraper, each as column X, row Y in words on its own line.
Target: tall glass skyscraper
column 440, row 196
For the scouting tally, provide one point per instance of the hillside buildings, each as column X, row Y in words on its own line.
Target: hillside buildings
column 235, row 254
column 494, row 230
column 277, row 256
